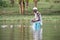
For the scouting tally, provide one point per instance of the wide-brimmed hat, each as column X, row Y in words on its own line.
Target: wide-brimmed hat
column 35, row 8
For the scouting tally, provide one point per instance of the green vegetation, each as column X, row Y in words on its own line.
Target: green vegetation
column 43, row 7
column 3, row 3
column 11, row 16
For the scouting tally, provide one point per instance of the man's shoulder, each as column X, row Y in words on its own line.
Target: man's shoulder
column 38, row 12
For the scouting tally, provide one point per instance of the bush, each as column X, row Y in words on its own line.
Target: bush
column 3, row 3
column 47, row 0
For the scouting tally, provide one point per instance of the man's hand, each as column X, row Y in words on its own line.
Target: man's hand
column 34, row 20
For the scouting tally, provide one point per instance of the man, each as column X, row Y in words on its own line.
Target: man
column 37, row 22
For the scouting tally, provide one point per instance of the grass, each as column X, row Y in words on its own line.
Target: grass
column 51, row 27
column 43, row 7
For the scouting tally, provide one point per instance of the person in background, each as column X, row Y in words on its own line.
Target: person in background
column 37, row 23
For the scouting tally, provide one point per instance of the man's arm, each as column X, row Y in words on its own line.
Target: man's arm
column 34, row 20
column 41, row 19
column 37, row 18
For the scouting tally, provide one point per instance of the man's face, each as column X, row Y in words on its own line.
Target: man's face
column 34, row 11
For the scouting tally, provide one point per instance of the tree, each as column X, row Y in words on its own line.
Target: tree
column 27, row 2
column 35, row 3
column 22, row 6
column 12, row 2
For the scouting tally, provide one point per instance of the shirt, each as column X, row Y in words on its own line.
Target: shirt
column 38, row 17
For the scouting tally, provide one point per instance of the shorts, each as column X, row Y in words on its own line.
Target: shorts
column 36, row 26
